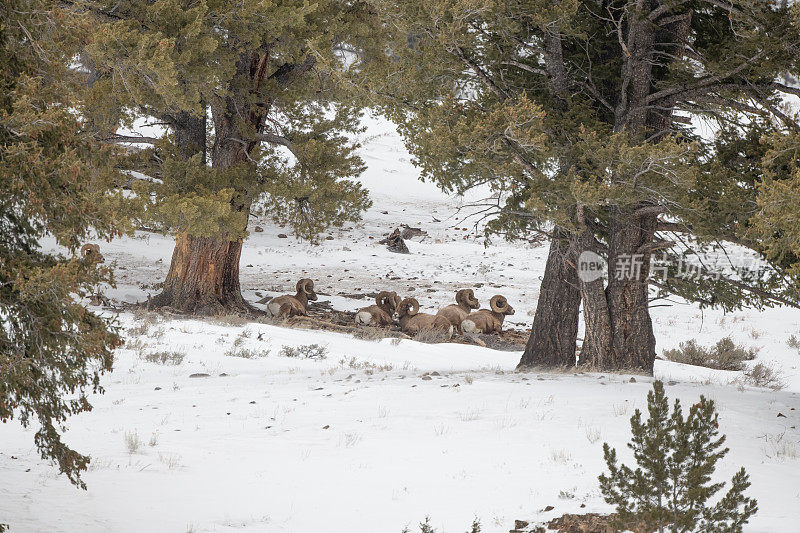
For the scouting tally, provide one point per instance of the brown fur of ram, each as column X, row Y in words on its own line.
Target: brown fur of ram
column 91, row 252
column 412, row 321
column 488, row 320
column 293, row 305
column 457, row 312
column 381, row 313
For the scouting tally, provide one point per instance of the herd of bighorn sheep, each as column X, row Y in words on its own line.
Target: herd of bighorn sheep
column 458, row 317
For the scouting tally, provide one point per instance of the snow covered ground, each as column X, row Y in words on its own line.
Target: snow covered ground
column 376, row 435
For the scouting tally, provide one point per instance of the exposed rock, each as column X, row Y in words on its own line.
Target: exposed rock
column 199, row 375
column 582, row 523
column 407, row 232
column 258, row 229
column 395, row 243
column 282, row 236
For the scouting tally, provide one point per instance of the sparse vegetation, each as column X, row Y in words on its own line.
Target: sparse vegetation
column 371, row 333
column 426, row 527
column 172, row 460
column 560, row 456
column 305, row 351
column 724, row 355
column 780, row 448
column 431, row 336
column 132, row 441
column 165, row 357
column 763, row 375
column 592, row 434
column 143, row 320
column 247, row 353
column 794, row 342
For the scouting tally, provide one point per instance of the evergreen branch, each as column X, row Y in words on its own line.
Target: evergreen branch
column 276, row 139
column 134, row 139
column 482, row 75
column 709, row 82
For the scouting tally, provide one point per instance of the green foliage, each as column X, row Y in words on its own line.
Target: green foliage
column 273, row 79
column 671, row 488
column 530, row 98
column 777, row 222
column 55, row 180
column 724, row 355
column 310, row 191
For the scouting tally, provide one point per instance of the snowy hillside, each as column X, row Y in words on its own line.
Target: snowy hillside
column 221, row 426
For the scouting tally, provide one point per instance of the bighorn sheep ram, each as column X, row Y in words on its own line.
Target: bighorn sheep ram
column 288, row 305
column 381, row 313
column 457, row 312
column 488, row 320
column 412, row 321
column 91, row 252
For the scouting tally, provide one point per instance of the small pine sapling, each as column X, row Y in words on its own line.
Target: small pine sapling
column 671, row 488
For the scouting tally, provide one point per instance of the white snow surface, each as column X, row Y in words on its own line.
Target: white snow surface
column 359, row 441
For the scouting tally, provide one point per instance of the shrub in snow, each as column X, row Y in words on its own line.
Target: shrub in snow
column 165, row 357
column 725, row 355
column 426, row 527
column 307, row 351
column 671, row 488
column 762, row 375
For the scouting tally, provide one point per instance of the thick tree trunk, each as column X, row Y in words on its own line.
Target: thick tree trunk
column 203, row 277
column 619, row 331
column 555, row 324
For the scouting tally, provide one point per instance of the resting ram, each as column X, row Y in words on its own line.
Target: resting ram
column 91, row 252
column 288, row 305
column 412, row 321
column 381, row 313
column 457, row 312
column 488, row 320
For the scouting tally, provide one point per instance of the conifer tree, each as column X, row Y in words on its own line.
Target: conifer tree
column 57, row 181
column 257, row 117
column 671, row 488
column 579, row 115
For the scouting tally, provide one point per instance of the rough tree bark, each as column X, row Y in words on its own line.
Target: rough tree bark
column 619, row 330
column 203, row 275
column 555, row 324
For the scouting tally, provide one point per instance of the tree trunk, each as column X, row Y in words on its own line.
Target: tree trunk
column 203, row 277
column 555, row 324
column 619, row 331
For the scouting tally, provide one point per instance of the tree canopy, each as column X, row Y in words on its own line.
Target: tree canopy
column 59, row 182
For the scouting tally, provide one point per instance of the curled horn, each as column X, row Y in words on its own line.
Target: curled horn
column 384, row 297
column 305, row 285
column 471, row 300
column 87, row 249
column 498, row 304
column 411, row 305
column 396, row 300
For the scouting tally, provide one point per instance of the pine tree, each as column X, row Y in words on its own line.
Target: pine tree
column 671, row 488
column 257, row 116
column 57, row 181
column 578, row 115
